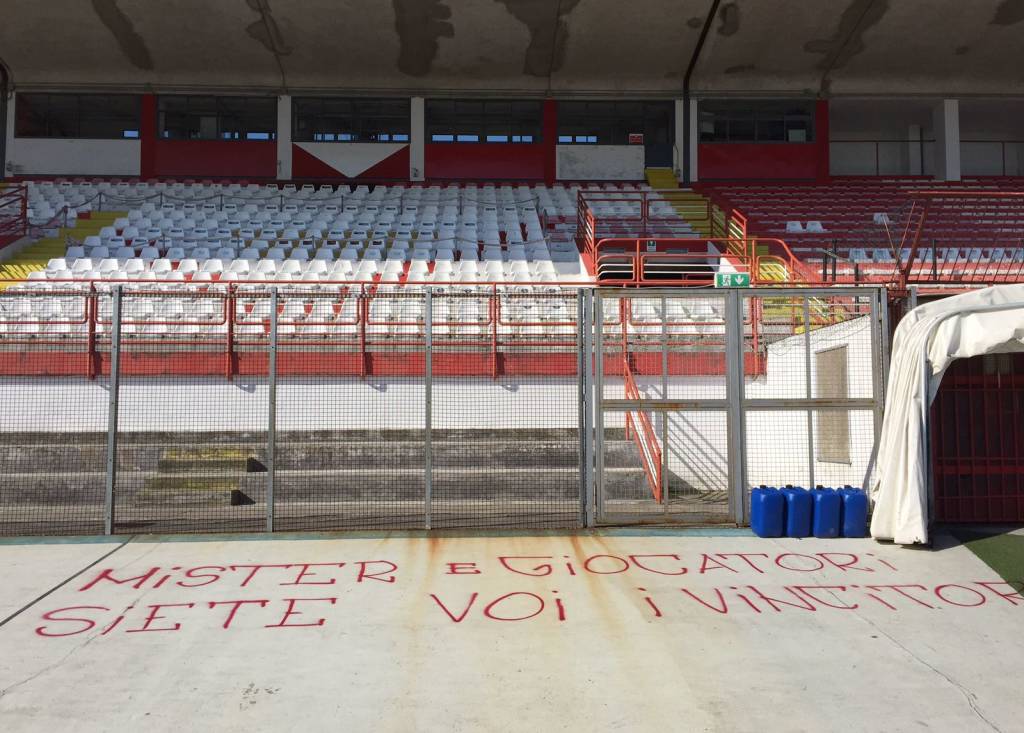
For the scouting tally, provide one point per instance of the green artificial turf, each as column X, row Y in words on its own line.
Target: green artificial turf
column 1003, row 552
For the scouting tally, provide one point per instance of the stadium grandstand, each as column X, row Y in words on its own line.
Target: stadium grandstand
column 511, row 365
column 439, row 249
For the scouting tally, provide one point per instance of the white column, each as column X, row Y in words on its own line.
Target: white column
column 946, row 117
column 8, row 140
column 417, row 139
column 284, row 137
column 915, row 165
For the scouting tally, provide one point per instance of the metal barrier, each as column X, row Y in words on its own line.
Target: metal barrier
column 729, row 390
column 282, row 408
column 13, row 213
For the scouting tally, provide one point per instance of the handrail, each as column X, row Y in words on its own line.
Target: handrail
column 645, row 438
column 15, row 225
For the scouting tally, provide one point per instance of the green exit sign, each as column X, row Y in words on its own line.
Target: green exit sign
column 732, row 280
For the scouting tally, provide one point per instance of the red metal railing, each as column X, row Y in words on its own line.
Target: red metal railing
column 641, row 431
column 13, row 213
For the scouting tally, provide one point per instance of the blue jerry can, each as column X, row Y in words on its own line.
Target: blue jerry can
column 855, row 513
column 798, row 512
column 767, row 512
column 827, row 509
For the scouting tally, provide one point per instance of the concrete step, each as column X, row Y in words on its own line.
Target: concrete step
column 362, row 484
column 190, row 459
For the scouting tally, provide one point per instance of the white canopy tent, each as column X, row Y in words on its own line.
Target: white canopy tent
column 927, row 341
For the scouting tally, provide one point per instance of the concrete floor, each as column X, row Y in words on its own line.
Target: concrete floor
column 581, row 632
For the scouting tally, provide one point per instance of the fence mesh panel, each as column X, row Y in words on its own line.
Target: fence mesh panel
column 665, row 464
column 191, row 442
column 350, row 446
column 819, row 352
column 53, row 425
column 383, row 407
column 505, row 439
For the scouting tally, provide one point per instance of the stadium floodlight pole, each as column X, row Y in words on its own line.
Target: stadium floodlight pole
column 112, row 405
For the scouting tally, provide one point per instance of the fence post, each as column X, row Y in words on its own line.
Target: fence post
column 112, row 405
column 584, row 335
column 428, row 457
column 596, row 414
column 272, row 411
column 734, row 372
column 808, row 391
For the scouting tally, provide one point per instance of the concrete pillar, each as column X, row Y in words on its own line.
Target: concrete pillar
column 284, row 137
column 823, row 140
column 915, row 163
column 148, row 135
column 946, row 117
column 550, row 141
column 417, row 140
column 680, row 137
column 9, row 149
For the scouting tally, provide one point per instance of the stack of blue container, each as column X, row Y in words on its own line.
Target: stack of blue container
column 797, row 512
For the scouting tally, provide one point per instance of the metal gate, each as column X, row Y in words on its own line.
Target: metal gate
column 977, row 443
column 702, row 395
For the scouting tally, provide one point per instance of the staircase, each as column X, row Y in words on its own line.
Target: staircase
column 324, row 479
column 661, row 179
column 35, row 256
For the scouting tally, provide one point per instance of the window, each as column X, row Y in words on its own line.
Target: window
column 217, row 118
column 96, row 116
column 491, row 121
column 611, row 123
column 833, row 433
column 748, row 121
column 350, row 120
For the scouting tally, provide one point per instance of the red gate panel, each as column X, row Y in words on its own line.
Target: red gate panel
column 978, row 441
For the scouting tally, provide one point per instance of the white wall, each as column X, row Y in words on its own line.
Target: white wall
column 56, row 157
column 600, row 162
column 777, row 442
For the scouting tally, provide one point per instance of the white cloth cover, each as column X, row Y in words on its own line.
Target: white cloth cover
column 927, row 340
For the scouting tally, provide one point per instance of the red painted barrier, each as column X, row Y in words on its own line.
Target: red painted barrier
column 485, row 161
column 215, row 158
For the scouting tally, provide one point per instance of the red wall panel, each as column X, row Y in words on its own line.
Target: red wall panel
column 759, row 161
column 483, row 161
column 215, row 158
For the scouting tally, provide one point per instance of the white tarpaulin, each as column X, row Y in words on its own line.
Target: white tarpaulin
column 927, row 341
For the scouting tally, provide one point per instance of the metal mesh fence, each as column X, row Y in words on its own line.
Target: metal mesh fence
column 504, row 409
column 234, row 407
column 192, row 416
column 350, row 447
column 53, row 425
column 811, row 414
column 663, row 460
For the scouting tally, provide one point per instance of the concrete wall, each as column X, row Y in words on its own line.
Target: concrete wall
column 54, row 157
column 600, row 162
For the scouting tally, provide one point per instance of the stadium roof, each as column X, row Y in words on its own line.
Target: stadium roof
column 634, row 47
